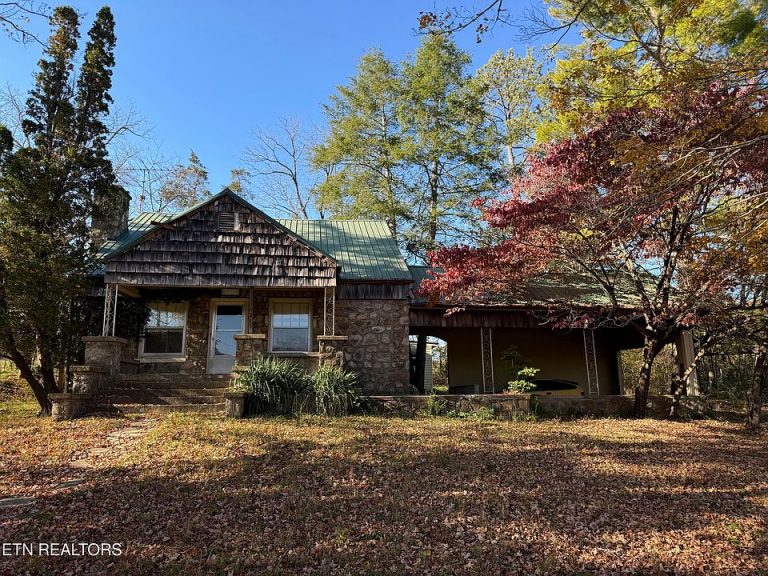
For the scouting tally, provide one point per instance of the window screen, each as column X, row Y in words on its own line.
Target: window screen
column 164, row 333
column 290, row 326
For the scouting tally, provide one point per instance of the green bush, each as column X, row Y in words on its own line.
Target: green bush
column 336, row 392
column 523, row 384
column 279, row 386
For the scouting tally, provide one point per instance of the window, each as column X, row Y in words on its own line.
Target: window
column 164, row 334
column 290, row 326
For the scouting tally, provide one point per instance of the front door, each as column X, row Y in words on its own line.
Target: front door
column 227, row 320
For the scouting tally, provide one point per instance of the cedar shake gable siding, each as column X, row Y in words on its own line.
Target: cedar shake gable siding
column 201, row 248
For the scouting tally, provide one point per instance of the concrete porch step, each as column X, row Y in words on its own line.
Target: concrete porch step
column 168, row 399
column 168, row 391
column 217, row 408
column 174, row 381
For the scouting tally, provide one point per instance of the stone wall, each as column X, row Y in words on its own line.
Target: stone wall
column 507, row 406
column 198, row 330
column 521, row 405
column 377, row 347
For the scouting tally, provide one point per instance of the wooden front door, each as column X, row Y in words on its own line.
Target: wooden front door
column 227, row 321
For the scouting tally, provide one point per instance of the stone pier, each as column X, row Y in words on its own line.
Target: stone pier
column 250, row 348
column 332, row 350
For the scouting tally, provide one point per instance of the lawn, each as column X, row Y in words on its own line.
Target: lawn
column 368, row 495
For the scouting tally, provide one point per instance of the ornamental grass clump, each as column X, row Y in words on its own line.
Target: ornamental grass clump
column 275, row 386
column 279, row 386
column 336, row 391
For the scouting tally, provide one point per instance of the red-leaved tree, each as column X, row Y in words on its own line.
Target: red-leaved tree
column 632, row 206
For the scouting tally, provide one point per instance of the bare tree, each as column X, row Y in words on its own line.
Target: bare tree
column 483, row 20
column 12, row 110
column 278, row 164
column 143, row 170
column 15, row 18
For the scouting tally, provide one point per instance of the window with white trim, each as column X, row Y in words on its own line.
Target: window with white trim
column 290, row 326
column 164, row 333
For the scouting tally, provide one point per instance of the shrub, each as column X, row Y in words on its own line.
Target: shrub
column 275, row 385
column 336, row 392
column 523, row 384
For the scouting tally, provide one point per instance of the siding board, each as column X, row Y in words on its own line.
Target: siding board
column 194, row 253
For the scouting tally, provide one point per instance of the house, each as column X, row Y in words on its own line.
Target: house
column 227, row 284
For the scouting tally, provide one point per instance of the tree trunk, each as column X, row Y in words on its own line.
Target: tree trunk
column 678, row 386
column 434, row 185
column 37, row 388
column 48, row 371
column 650, row 350
column 755, row 402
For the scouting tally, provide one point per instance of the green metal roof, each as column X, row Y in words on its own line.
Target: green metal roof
column 365, row 249
column 546, row 290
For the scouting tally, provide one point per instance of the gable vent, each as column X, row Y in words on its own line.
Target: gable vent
column 225, row 221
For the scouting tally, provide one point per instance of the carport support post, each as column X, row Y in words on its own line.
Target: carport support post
column 421, row 358
column 685, row 357
column 486, row 359
column 590, row 358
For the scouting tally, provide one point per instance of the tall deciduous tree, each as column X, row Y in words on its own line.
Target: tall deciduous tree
column 631, row 204
column 49, row 190
column 641, row 50
column 278, row 164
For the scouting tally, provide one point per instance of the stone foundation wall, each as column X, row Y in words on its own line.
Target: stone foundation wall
column 517, row 405
column 503, row 405
column 377, row 347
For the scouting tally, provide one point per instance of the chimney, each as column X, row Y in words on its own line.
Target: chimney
column 110, row 215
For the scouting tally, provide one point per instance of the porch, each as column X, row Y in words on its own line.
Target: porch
column 212, row 331
column 479, row 343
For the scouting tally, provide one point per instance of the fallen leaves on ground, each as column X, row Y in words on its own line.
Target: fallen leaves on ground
column 370, row 495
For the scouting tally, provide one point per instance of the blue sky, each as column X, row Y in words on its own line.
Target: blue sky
column 205, row 74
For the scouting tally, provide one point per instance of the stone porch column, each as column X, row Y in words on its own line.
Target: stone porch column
column 104, row 352
column 92, row 380
column 250, row 348
column 332, row 350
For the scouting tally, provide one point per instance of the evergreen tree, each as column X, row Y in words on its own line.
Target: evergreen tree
column 49, row 191
column 412, row 144
column 366, row 142
column 453, row 148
